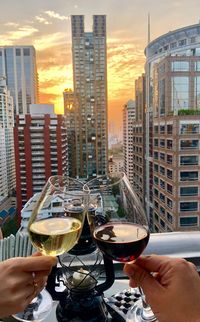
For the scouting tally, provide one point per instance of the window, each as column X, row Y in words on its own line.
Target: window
column 180, row 93
column 155, row 192
column 162, row 197
column 156, row 180
column 188, row 191
column 169, row 217
column 162, row 156
column 156, row 204
column 169, row 144
column 162, row 184
column 162, row 143
column 180, row 66
column 188, row 221
column 156, row 167
column 169, row 158
column 189, row 128
column 188, row 175
column 162, row 129
column 156, row 155
column 162, row 170
column 155, row 142
column 156, row 216
column 169, row 128
column 169, row 203
column 169, row 188
column 169, row 174
column 155, row 129
column 188, row 206
column 182, row 42
column 162, row 210
column 162, row 223
column 189, row 160
column 189, row 144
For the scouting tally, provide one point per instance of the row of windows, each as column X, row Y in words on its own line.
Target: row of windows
column 183, row 176
column 184, row 160
column 165, row 172
column 187, row 128
column 192, row 221
column 163, row 157
column 175, row 44
column 183, row 144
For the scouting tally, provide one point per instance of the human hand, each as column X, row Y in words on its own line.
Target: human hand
column 172, row 291
column 17, row 286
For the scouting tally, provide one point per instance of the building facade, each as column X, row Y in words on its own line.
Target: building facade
column 40, row 150
column 139, row 130
column 90, row 90
column 7, row 161
column 128, row 119
column 72, row 124
column 172, row 130
column 18, row 66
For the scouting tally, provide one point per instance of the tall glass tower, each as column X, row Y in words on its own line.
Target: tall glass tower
column 18, row 66
column 90, row 92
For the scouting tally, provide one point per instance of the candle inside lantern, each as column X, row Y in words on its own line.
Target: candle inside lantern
column 81, row 278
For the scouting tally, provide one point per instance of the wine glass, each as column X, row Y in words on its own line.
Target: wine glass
column 119, row 227
column 54, row 228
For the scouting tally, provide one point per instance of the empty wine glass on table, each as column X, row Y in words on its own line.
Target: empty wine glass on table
column 54, row 228
column 119, row 227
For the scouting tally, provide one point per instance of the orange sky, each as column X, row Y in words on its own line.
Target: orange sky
column 46, row 25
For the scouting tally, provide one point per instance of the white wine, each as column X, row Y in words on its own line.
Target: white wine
column 54, row 236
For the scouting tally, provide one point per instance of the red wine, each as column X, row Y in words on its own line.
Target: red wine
column 122, row 242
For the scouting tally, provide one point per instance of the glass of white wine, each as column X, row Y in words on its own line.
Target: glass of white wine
column 54, row 228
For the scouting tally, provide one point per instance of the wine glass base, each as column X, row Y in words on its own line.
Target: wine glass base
column 138, row 314
column 39, row 308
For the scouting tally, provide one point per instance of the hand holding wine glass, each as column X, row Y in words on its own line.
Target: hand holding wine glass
column 173, row 291
column 16, row 283
column 54, row 228
column 118, row 223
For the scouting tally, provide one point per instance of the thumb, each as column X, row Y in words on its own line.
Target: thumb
column 140, row 277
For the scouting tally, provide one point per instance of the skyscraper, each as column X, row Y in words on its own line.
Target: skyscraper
column 40, row 150
column 7, row 162
column 18, row 66
column 172, row 130
column 90, row 90
column 128, row 118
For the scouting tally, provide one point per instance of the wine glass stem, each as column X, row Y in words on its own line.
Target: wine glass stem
column 147, row 313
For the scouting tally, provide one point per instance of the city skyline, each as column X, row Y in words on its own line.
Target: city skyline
column 47, row 27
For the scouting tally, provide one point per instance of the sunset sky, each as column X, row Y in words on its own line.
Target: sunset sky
column 46, row 25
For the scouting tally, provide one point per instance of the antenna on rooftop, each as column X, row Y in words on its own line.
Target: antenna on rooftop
column 149, row 29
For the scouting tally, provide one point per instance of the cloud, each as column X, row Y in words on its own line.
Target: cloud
column 56, row 15
column 11, row 24
column 43, row 20
column 47, row 41
column 125, row 63
column 11, row 37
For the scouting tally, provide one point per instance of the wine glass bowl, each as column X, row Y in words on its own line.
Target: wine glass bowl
column 57, row 220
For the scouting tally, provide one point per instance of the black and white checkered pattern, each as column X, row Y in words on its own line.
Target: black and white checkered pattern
column 119, row 304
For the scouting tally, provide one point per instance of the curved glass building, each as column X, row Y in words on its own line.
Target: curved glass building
column 173, row 130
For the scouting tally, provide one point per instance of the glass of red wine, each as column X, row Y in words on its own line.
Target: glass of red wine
column 119, row 227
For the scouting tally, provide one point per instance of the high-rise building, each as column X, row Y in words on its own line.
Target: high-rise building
column 138, row 137
column 7, row 161
column 173, row 129
column 90, row 90
column 128, row 118
column 72, row 122
column 40, row 150
column 18, row 66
